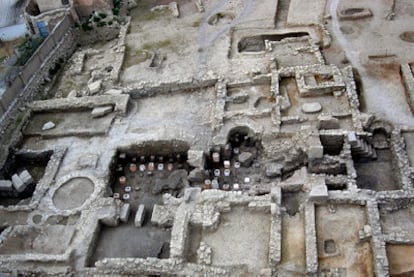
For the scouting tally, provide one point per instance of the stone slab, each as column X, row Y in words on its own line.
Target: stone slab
column 125, row 212
column 18, row 183
column 313, row 107
column 26, row 177
column 6, row 185
column 139, row 216
column 101, row 111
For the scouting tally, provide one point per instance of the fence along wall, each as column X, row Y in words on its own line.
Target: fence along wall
column 59, row 44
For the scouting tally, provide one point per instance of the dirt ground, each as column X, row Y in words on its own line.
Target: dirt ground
column 382, row 89
column 342, row 227
column 52, row 239
column 399, row 221
column 401, row 259
column 293, row 244
column 69, row 122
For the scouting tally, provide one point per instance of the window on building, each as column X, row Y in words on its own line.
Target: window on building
column 65, row 2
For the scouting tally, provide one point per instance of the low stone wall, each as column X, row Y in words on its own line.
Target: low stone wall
column 408, row 80
column 58, row 46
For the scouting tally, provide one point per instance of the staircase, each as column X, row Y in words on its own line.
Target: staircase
column 361, row 149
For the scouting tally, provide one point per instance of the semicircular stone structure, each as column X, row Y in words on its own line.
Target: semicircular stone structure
column 73, row 193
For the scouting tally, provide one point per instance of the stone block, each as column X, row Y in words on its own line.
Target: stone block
column 114, row 92
column 26, row 177
column 18, row 183
column 72, row 94
column 125, row 212
column 6, row 185
column 101, row 111
column 48, row 125
column 95, row 87
column 196, row 158
column 319, row 190
column 139, row 216
column 315, row 152
column 273, row 170
column 313, row 107
column 246, row 158
column 319, row 193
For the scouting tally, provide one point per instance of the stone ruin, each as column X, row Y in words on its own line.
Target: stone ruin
column 247, row 148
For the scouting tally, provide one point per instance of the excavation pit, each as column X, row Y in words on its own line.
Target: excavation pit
column 237, row 165
column 341, row 224
column 143, row 176
column 400, row 257
column 128, row 241
column 379, row 174
column 240, row 231
column 34, row 163
column 293, row 243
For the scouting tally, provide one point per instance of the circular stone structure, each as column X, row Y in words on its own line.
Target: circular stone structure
column 313, row 107
column 73, row 193
column 407, row 36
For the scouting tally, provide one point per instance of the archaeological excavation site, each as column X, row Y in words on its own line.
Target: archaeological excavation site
column 209, row 138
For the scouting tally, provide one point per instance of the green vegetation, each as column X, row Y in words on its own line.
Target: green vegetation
column 150, row 46
column 117, row 6
column 27, row 48
column 86, row 25
column 134, row 57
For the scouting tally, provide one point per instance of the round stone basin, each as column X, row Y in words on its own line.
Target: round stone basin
column 313, row 107
column 73, row 193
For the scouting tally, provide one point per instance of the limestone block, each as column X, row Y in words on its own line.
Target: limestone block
column 315, row 152
column 319, row 193
column 319, row 190
column 173, row 6
column 352, row 138
column 95, row 87
column 48, row 125
column 196, row 158
column 139, row 216
column 113, row 92
column 18, row 183
column 26, row 177
column 273, row 170
column 125, row 212
column 246, row 158
column 6, row 185
column 313, row 107
column 101, row 111
column 72, row 94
